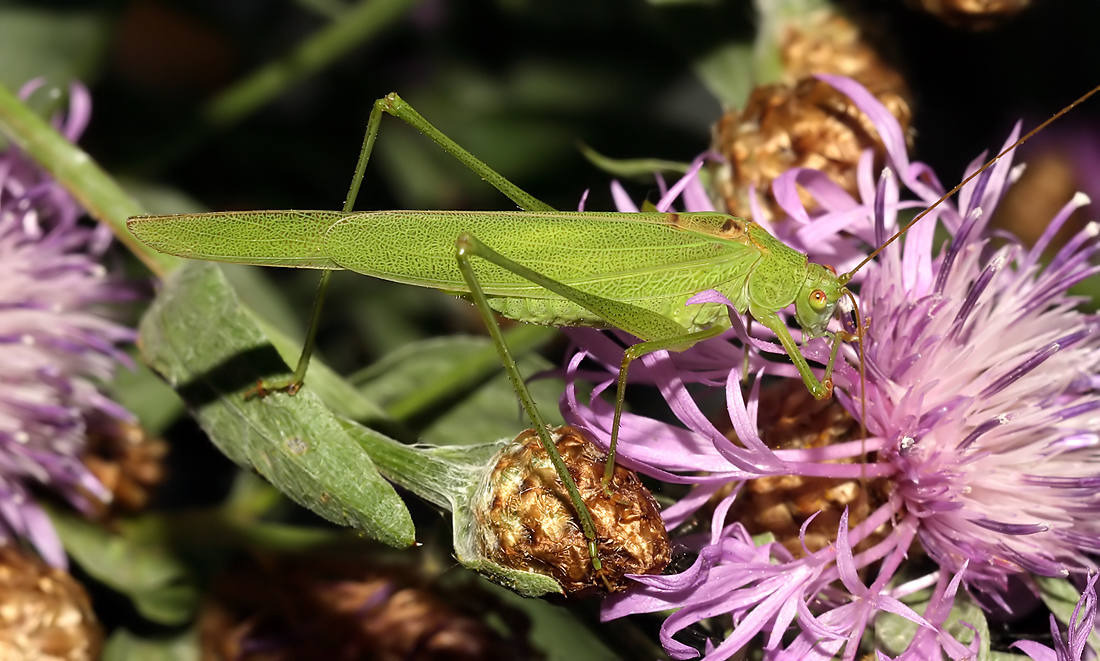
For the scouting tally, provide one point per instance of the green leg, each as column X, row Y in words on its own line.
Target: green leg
column 631, row 354
column 838, row 338
column 745, row 362
column 396, row 106
column 631, row 318
column 464, row 248
column 822, row 389
column 393, row 104
column 294, row 383
column 657, row 331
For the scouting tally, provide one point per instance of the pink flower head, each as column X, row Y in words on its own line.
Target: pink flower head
column 54, row 346
column 981, row 402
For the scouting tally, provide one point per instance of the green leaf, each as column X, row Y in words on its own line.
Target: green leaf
column 555, row 630
column 211, row 350
column 144, row 570
column 728, row 73
column 893, row 633
column 460, row 381
column 125, row 646
column 634, row 168
column 168, row 604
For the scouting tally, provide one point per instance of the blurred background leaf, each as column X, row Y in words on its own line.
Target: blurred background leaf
column 40, row 42
column 149, row 573
column 123, row 645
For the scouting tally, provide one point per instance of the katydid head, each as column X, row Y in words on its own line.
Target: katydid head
column 817, row 299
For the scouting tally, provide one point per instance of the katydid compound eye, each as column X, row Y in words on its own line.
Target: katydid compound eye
column 818, row 300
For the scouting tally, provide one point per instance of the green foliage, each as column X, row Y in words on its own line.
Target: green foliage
column 126, row 646
column 1061, row 597
column 893, row 633
column 294, row 442
column 54, row 44
column 135, row 562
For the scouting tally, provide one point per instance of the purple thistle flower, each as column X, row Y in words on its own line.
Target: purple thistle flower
column 54, row 346
column 981, row 408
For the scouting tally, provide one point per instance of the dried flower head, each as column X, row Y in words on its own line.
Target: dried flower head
column 55, row 345
column 526, row 520
column 972, row 14
column 802, row 511
column 44, row 613
column 825, row 41
column 800, row 121
column 326, row 607
column 127, row 462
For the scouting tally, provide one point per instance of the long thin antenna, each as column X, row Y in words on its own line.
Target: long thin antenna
column 980, row 170
column 862, row 392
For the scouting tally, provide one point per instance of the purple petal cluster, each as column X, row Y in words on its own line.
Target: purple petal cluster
column 55, row 346
column 981, row 409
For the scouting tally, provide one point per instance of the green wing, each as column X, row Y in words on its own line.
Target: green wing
column 654, row 260
column 630, row 257
column 267, row 238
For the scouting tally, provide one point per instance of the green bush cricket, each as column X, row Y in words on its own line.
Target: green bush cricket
column 632, row 271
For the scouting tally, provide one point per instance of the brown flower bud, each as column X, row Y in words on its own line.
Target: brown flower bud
column 526, row 520
column 44, row 613
column 780, row 504
column 125, row 461
column 972, row 14
column 803, row 122
column 829, row 42
column 326, row 607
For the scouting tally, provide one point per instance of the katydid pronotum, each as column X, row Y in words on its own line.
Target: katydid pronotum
column 632, row 271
